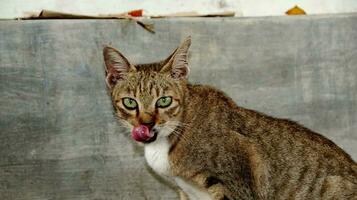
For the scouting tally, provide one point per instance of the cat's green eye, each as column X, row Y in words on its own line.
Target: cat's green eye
column 129, row 103
column 164, row 102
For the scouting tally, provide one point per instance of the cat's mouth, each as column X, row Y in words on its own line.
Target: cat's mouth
column 144, row 134
column 152, row 139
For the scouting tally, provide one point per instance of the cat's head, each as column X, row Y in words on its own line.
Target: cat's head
column 148, row 98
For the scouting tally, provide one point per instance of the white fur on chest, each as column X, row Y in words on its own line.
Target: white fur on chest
column 157, row 156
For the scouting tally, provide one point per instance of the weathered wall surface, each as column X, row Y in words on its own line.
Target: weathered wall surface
column 59, row 139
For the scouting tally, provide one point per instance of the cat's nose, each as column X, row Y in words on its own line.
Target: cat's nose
column 149, row 124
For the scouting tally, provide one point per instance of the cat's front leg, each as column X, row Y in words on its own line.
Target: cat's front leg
column 217, row 192
column 212, row 185
column 183, row 195
column 215, row 188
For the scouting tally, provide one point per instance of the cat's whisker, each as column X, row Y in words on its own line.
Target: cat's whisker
column 181, row 136
column 183, row 125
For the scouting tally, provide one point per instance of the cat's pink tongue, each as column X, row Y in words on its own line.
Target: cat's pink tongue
column 141, row 133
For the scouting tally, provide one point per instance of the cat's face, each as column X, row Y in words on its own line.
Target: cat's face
column 151, row 99
column 148, row 98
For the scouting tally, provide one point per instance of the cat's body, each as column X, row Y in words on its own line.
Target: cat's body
column 277, row 158
column 214, row 149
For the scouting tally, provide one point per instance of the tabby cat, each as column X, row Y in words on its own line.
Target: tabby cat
column 198, row 137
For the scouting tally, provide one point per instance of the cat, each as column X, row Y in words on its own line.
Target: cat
column 213, row 149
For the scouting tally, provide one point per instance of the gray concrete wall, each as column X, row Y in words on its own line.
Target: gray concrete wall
column 59, row 139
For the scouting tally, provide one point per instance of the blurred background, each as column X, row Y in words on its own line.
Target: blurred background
column 59, row 138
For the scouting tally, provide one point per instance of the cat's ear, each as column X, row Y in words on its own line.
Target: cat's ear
column 116, row 66
column 177, row 63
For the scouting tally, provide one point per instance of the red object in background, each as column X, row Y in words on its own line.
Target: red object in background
column 136, row 13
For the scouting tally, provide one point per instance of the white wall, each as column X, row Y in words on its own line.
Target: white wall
column 19, row 8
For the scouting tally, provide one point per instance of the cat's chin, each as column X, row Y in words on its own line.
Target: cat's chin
column 152, row 139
